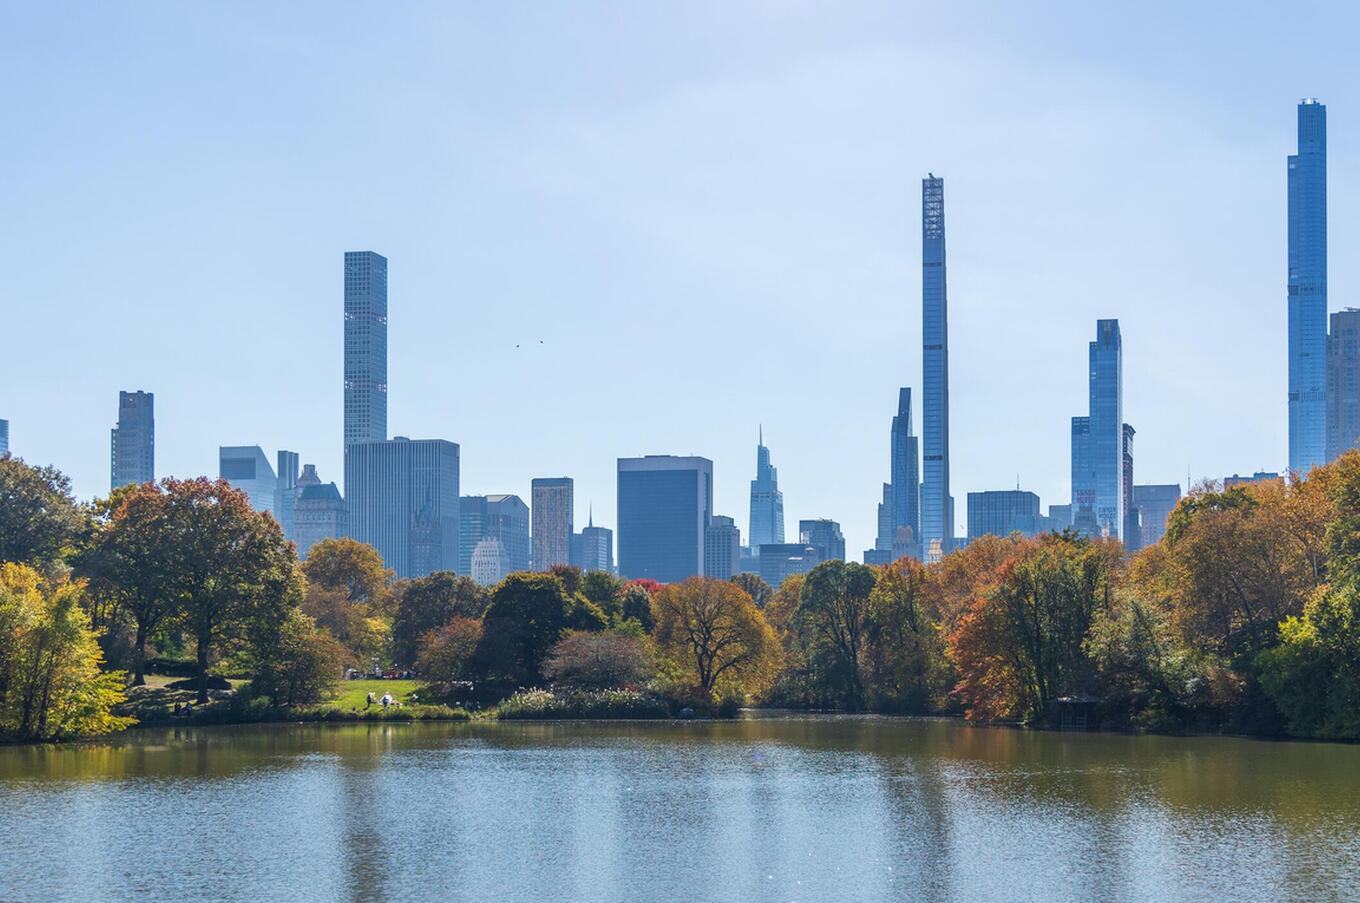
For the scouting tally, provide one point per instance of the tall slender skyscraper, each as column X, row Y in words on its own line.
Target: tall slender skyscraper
column 767, row 502
column 1098, row 440
column 365, row 347
column 1308, row 291
column 937, row 527
column 132, row 443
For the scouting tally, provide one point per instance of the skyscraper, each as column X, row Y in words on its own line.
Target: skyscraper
column 824, row 535
column 901, row 507
column 937, row 525
column 132, row 443
column 4, row 437
column 1155, row 502
column 286, row 490
column 767, row 502
column 1132, row 521
column 665, row 503
column 497, row 516
column 1003, row 512
column 365, row 347
column 779, row 561
column 1307, row 286
column 1343, row 382
column 722, row 548
column 488, row 563
column 402, row 496
column 550, row 508
column 593, row 548
column 247, row 468
column 1098, row 440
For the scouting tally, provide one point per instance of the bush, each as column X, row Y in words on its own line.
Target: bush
column 549, row 705
column 599, row 661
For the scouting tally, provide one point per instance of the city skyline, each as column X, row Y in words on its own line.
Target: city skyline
column 820, row 391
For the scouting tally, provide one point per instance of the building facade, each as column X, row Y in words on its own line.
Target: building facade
column 1132, row 518
column 665, row 504
column 4, row 437
column 767, row 502
column 319, row 512
column 1003, row 512
column 489, row 563
column 551, row 512
column 402, row 496
column 937, row 515
column 365, row 347
column 722, row 548
column 286, row 489
column 593, row 548
column 1343, row 382
column 824, row 535
column 1259, row 476
column 781, row 560
column 899, row 514
column 1098, row 488
column 1155, row 502
column 132, row 443
column 247, row 468
column 1307, row 290
column 499, row 516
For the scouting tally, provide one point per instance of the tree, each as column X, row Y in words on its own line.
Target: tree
column 599, row 660
column 906, row 664
column 755, row 586
column 52, row 685
column 227, row 567
column 298, row 664
column 603, row 588
column 362, row 635
column 636, row 605
column 964, row 576
column 714, row 633
column 526, row 618
column 352, row 566
column 39, row 518
column 428, row 603
column 446, row 653
column 833, row 616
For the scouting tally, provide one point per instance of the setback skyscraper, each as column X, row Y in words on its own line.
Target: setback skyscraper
column 550, row 509
column 937, row 514
column 767, row 502
column 665, row 504
column 365, row 347
column 1308, row 291
column 132, row 443
column 899, row 515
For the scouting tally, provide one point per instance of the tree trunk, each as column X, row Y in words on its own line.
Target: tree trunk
column 202, row 671
column 139, row 658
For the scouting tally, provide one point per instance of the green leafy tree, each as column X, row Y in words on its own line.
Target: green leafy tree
column 603, row 589
column 297, row 664
column 755, row 586
column 526, row 618
column 40, row 521
column 907, row 668
column 428, row 603
column 636, row 605
column 833, row 615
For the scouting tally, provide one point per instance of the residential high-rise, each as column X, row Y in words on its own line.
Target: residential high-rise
column 593, row 548
column 1343, row 382
column 489, row 563
column 402, row 496
column 937, row 516
column 1003, row 512
column 1307, row 287
column 551, row 513
column 1155, row 502
column 497, row 516
column 665, row 503
column 901, row 506
column 365, row 347
column 1132, row 519
column 247, row 468
column 4, row 437
column 319, row 511
column 824, row 535
column 767, row 502
column 285, row 490
column 1098, row 490
column 722, row 548
column 132, row 443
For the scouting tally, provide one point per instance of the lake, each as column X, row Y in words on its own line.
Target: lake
column 763, row 808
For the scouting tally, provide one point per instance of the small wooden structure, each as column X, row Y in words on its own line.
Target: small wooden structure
column 1074, row 713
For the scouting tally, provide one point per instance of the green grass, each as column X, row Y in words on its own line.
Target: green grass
column 354, row 692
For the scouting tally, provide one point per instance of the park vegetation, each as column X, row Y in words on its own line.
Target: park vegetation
column 1245, row 618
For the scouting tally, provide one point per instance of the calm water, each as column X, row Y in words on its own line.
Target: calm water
column 766, row 809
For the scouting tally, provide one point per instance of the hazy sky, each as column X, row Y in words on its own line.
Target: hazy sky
column 708, row 213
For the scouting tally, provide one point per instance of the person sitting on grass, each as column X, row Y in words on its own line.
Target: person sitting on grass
column 387, row 700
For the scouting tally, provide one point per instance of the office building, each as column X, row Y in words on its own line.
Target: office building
column 1061, row 516
column 1155, row 502
column 937, row 515
column 285, row 490
column 1307, row 290
column 551, row 513
column 824, row 535
column 489, row 562
column 665, row 503
column 365, row 347
column 1132, row 519
column 1098, row 439
column 767, row 502
column 318, row 513
column 1343, row 382
column 4, row 438
column 402, row 496
column 1003, row 512
column 132, row 443
column 1259, row 476
column 593, row 548
column 497, row 516
column 247, row 468
column 781, row 560
column 722, row 548
column 900, row 509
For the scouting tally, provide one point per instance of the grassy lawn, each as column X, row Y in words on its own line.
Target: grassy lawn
column 353, row 692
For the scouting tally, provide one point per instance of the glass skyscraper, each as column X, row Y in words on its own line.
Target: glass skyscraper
column 402, row 496
column 1343, row 382
column 665, row 504
column 365, row 347
column 901, row 507
column 767, row 502
column 132, row 443
column 1098, row 440
column 937, row 526
column 246, row 468
column 1308, row 291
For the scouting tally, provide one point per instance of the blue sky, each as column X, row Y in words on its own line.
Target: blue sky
column 708, row 212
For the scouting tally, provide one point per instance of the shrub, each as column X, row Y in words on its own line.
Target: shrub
column 548, row 705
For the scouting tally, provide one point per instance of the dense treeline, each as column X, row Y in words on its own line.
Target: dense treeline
column 1245, row 618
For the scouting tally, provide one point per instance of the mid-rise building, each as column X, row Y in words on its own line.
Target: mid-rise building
column 365, row 347
column 551, row 513
column 593, row 548
column 319, row 511
column 665, row 503
column 1259, row 476
column 490, row 563
column 247, row 468
column 1155, row 502
column 1098, row 489
column 402, row 496
column 1343, row 382
column 767, row 502
column 1307, row 290
column 937, row 506
column 132, row 443
column 1002, row 512
column 722, row 548
column 496, row 516
column 781, row 560
column 824, row 535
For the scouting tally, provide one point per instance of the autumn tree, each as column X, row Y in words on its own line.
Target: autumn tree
column 446, row 653
column 962, row 577
column 755, row 587
column 39, row 518
column 599, row 660
column 905, row 656
column 354, row 567
column 714, row 633
column 428, row 603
